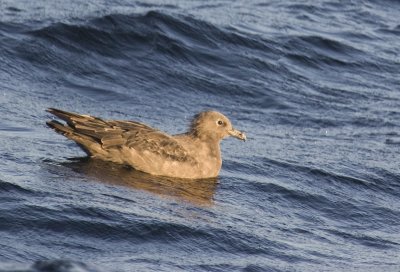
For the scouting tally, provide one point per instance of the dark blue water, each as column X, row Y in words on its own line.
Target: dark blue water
column 314, row 84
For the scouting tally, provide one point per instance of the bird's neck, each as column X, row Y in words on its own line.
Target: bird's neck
column 212, row 147
column 206, row 145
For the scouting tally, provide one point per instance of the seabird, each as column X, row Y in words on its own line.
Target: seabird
column 195, row 154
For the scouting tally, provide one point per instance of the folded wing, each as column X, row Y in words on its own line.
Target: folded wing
column 97, row 136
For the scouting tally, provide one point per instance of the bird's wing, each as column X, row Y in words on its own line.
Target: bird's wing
column 115, row 134
column 144, row 138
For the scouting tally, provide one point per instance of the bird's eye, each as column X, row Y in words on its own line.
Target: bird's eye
column 220, row 123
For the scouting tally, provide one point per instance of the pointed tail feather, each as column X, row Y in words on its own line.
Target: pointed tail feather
column 89, row 144
column 59, row 127
column 65, row 115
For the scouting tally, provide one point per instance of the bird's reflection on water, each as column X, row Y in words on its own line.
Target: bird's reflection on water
column 198, row 192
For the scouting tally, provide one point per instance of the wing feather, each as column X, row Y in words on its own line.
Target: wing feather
column 117, row 134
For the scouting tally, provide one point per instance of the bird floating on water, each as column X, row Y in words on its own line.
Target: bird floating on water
column 195, row 154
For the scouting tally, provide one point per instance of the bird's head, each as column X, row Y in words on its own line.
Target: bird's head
column 214, row 125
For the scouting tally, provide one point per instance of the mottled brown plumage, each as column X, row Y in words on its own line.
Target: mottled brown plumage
column 195, row 154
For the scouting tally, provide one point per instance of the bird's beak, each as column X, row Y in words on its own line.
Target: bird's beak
column 237, row 134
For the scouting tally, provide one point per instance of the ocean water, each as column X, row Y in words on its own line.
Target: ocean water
column 314, row 84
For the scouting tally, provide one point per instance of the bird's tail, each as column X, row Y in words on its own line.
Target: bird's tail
column 87, row 142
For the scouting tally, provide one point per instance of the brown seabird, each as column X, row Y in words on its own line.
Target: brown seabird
column 195, row 154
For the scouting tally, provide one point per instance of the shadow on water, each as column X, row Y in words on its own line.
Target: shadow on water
column 198, row 192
